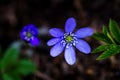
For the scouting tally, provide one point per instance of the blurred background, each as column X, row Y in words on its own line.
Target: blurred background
column 46, row 14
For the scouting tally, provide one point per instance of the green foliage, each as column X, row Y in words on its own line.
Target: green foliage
column 110, row 51
column 102, row 37
column 105, row 31
column 7, row 77
column 12, row 68
column 107, row 34
column 115, row 30
column 25, row 67
column 111, row 40
column 10, row 77
column 101, row 48
column 9, row 59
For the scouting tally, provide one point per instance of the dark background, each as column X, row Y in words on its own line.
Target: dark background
column 45, row 14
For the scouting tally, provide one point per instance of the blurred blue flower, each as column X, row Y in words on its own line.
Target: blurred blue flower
column 69, row 39
column 30, row 34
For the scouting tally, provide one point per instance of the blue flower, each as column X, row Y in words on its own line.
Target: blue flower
column 69, row 39
column 30, row 34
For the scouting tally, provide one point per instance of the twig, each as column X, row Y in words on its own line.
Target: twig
column 43, row 76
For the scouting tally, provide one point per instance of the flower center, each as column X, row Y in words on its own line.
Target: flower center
column 28, row 34
column 69, row 38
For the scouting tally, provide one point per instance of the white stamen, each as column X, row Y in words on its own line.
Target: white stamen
column 70, row 44
column 63, row 44
column 75, row 38
column 73, row 43
column 71, row 34
column 62, row 41
column 66, row 46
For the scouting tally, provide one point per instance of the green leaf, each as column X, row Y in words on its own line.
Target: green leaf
column 25, row 67
column 7, row 77
column 113, row 49
column 115, row 30
column 105, row 31
column 10, row 57
column 16, row 78
column 101, row 48
column 102, row 37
